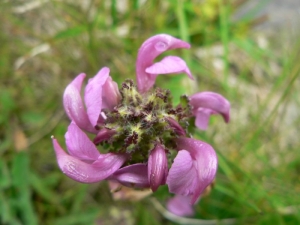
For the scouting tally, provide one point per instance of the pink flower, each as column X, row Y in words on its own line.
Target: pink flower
column 147, row 71
column 138, row 127
column 194, row 168
column 84, row 163
column 100, row 92
column 207, row 103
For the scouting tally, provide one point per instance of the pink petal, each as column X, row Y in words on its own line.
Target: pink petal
column 183, row 178
column 157, row 167
column 202, row 117
column 170, row 64
column 204, row 162
column 83, row 172
column 93, row 95
column 74, row 106
column 79, row 145
column 104, row 135
column 135, row 175
column 176, row 126
column 212, row 101
column 149, row 50
column 110, row 161
column 180, row 205
column 110, row 94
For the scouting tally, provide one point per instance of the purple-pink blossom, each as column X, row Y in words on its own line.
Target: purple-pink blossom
column 207, row 103
column 84, row 163
column 147, row 70
column 194, row 168
column 135, row 129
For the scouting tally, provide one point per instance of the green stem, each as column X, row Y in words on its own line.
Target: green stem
column 183, row 28
column 224, row 33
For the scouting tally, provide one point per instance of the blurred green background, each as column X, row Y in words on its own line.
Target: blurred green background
column 46, row 43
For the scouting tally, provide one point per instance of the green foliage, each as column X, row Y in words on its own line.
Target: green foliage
column 44, row 48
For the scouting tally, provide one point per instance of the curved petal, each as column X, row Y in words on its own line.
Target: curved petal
column 183, row 178
column 149, row 50
column 180, row 205
column 157, row 167
column 110, row 162
column 135, row 175
column 93, row 95
column 74, row 106
column 199, row 161
column 83, row 172
column 79, row 145
column 175, row 126
column 110, row 94
column 202, row 117
column 170, row 64
column 104, row 135
column 212, row 101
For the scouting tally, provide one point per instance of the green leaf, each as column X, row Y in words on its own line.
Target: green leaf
column 39, row 185
column 86, row 217
column 4, row 174
column 5, row 210
column 20, row 176
column 70, row 32
column 7, row 104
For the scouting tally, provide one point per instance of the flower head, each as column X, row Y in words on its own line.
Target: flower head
column 138, row 129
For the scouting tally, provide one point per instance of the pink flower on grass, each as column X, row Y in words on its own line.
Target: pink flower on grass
column 137, row 127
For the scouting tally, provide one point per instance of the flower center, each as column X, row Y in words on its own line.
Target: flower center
column 142, row 120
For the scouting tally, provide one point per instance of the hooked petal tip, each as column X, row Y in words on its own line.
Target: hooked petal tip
column 207, row 103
